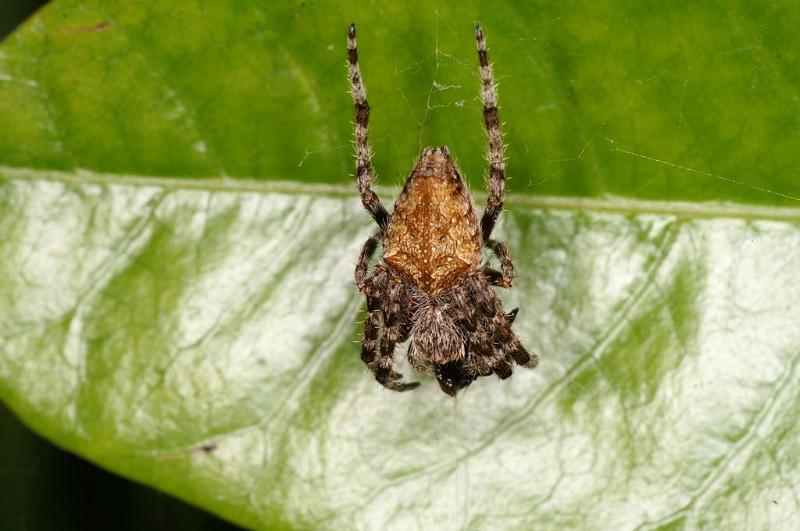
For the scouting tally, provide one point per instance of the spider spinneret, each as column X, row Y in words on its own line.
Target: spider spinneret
column 431, row 287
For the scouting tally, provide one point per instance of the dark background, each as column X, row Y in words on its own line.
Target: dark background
column 45, row 488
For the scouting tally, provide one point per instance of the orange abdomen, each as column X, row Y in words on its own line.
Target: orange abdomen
column 433, row 237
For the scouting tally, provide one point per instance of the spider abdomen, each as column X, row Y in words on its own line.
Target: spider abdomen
column 433, row 237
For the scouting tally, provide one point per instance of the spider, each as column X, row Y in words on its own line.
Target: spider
column 431, row 287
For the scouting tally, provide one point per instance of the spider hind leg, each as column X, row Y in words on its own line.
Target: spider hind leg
column 494, row 347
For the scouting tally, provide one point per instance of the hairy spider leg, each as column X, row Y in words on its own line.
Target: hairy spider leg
column 493, row 345
column 507, row 342
column 497, row 166
column 367, row 252
column 396, row 315
column 505, row 277
column 378, row 353
column 364, row 173
column 384, row 369
column 369, row 341
column 512, row 315
column 520, row 354
column 505, row 338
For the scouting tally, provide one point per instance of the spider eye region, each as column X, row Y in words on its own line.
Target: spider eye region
column 436, row 162
column 440, row 151
column 452, row 377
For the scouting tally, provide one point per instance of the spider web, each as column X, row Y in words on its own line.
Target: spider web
column 436, row 92
column 446, row 97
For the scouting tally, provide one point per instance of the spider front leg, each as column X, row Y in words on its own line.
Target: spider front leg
column 505, row 277
column 364, row 172
column 497, row 166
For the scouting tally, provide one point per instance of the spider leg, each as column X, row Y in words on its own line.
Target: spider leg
column 498, row 278
column 364, row 172
column 395, row 330
column 508, row 343
column 483, row 358
column 497, row 166
column 511, row 316
column 384, row 368
column 494, row 276
column 488, row 360
column 373, row 287
column 493, row 346
column 386, row 298
column 520, row 354
column 367, row 251
column 369, row 341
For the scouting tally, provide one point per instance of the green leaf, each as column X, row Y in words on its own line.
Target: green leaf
column 178, row 229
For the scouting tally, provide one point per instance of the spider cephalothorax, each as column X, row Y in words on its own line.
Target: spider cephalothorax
column 431, row 287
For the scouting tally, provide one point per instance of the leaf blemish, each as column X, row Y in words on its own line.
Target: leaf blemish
column 97, row 28
column 207, row 448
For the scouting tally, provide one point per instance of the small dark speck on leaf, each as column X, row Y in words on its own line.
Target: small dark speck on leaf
column 775, row 502
column 208, row 448
column 572, row 94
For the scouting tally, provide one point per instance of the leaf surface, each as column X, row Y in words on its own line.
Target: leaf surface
column 178, row 229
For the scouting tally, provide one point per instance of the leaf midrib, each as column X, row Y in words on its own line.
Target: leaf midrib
column 608, row 203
